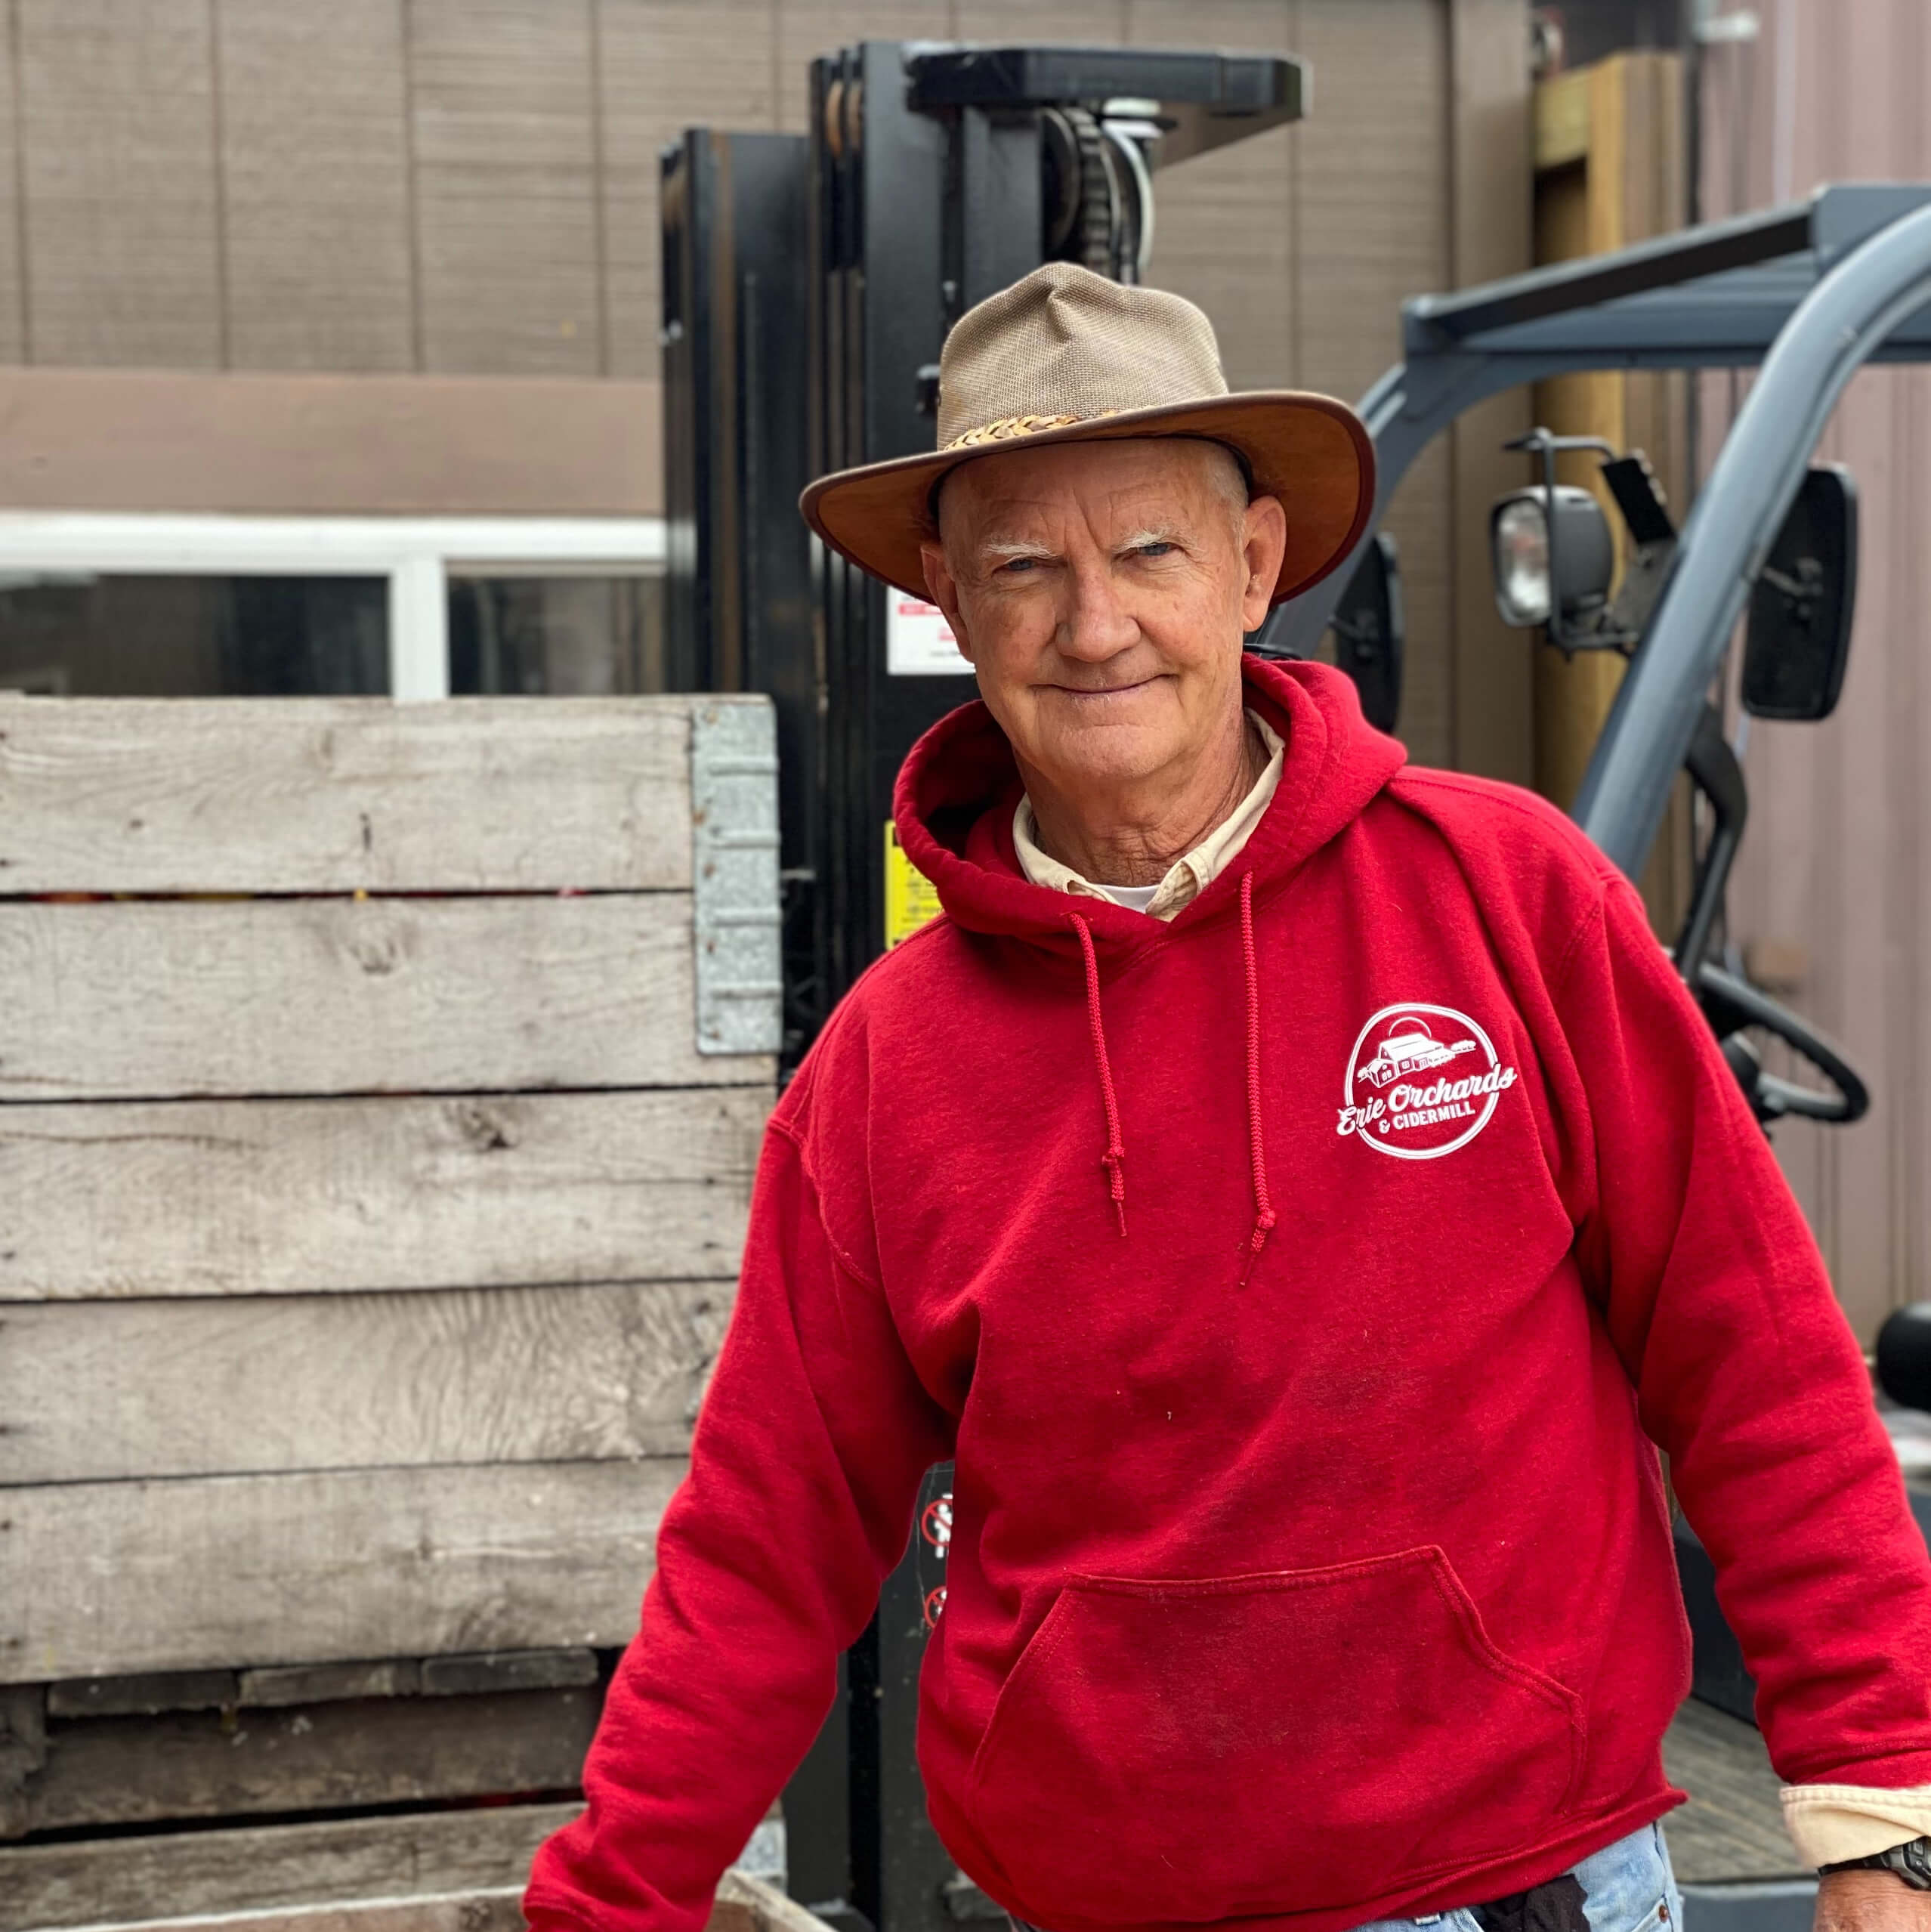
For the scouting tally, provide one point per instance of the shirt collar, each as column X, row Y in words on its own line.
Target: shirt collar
column 1189, row 875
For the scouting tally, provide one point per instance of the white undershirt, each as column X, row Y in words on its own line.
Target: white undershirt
column 1135, row 898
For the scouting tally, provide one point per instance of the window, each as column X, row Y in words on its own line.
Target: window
column 556, row 636
column 88, row 634
column 126, row 605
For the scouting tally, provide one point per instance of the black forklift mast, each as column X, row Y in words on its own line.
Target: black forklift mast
column 809, row 281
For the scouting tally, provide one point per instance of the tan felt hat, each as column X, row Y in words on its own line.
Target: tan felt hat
column 1066, row 356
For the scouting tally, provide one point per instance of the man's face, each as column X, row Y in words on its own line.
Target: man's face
column 1101, row 591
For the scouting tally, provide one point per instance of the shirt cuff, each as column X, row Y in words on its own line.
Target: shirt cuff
column 1828, row 1823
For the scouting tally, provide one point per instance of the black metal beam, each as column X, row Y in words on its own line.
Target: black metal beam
column 1016, row 77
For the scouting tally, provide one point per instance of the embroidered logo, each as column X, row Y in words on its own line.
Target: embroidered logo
column 1421, row 1081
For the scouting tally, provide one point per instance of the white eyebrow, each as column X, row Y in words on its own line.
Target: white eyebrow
column 1004, row 549
column 1134, row 539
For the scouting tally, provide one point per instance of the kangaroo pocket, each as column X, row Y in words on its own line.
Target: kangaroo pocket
column 1187, row 1751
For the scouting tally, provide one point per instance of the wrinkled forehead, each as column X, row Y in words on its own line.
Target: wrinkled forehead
column 1136, row 482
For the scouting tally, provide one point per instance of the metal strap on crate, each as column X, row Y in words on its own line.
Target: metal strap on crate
column 734, row 866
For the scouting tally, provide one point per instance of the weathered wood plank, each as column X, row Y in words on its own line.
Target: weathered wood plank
column 338, row 795
column 119, row 1771
column 493, row 1671
column 743, row 1904
column 96, row 1579
column 180, row 998
column 280, row 1685
column 145, row 1696
column 286, row 1197
column 419, row 1858
column 254, row 1384
column 500, row 1910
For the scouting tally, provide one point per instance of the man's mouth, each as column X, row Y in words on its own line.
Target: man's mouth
column 1101, row 690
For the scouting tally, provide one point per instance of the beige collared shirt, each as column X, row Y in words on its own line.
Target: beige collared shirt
column 1189, row 875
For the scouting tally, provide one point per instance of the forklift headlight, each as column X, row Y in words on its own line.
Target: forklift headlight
column 1520, row 536
column 1532, row 572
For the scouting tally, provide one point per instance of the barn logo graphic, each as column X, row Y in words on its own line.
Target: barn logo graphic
column 1421, row 1081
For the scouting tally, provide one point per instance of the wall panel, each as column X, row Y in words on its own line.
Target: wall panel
column 1064, row 20
column 1224, row 232
column 118, row 130
column 1836, row 870
column 1372, row 186
column 807, row 28
column 13, row 345
column 315, row 167
column 503, row 128
column 665, row 66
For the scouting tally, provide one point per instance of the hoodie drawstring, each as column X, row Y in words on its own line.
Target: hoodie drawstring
column 1113, row 1159
column 1115, row 1156
column 1264, row 1214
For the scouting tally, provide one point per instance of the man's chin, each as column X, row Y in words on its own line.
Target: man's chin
column 1106, row 755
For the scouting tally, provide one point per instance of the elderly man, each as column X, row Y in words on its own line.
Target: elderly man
column 1296, row 1189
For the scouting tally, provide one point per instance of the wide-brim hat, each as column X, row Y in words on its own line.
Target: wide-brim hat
column 1067, row 356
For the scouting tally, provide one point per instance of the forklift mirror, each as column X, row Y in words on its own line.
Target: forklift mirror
column 1801, row 604
column 1904, row 1355
column 1369, row 631
column 1552, row 556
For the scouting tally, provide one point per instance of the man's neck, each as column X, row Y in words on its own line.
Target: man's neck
column 1133, row 838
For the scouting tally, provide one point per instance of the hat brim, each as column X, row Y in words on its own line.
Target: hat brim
column 1312, row 452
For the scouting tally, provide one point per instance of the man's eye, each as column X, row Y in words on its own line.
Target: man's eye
column 1159, row 549
column 1016, row 566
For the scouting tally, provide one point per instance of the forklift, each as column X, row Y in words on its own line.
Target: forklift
column 934, row 174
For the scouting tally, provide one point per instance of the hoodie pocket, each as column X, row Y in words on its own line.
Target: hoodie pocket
column 1184, row 1751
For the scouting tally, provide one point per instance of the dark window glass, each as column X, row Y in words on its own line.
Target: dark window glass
column 557, row 637
column 99, row 636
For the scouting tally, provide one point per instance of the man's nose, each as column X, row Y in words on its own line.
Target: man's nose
column 1095, row 624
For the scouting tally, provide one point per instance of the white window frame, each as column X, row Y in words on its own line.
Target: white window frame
column 417, row 555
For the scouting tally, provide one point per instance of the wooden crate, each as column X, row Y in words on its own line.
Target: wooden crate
column 457, row 1872
column 374, row 1212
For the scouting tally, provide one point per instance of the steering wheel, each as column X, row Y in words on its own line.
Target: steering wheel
column 1732, row 1004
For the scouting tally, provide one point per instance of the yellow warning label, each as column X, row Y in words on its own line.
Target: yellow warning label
column 910, row 899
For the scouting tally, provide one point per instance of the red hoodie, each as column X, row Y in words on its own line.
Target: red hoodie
column 1300, row 1285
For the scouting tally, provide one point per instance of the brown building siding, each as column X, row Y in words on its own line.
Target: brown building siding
column 468, row 188
column 1838, row 861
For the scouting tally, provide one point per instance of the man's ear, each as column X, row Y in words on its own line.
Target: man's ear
column 1263, row 543
column 944, row 591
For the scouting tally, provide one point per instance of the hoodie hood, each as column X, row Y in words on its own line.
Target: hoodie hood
column 959, row 787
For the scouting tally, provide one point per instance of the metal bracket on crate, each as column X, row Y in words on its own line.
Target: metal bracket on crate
column 734, row 875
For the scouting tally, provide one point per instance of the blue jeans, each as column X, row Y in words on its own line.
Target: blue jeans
column 1627, row 1887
